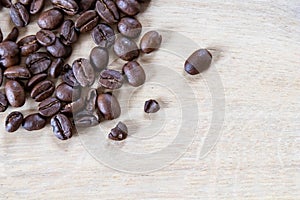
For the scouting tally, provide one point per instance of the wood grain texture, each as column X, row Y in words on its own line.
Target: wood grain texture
column 256, row 45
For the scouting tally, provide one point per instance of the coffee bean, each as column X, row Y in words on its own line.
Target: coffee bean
column 68, row 33
column 85, row 5
column 3, row 102
column 28, row 45
column 17, row 72
column 91, row 100
column 87, row 21
column 42, row 90
column 9, row 54
column 151, row 106
column 56, row 67
column 15, row 93
column 13, row 121
column 74, row 107
column 36, row 6
column 85, row 119
column 108, row 106
column 67, row 93
column 150, row 42
column 25, row 2
column 129, row 7
column 130, row 27
column 83, row 72
column 59, row 50
column 126, row 49
column 38, row 62
column 35, row 80
column 68, row 76
column 120, row 132
column 50, row 19
column 6, row 3
column 103, row 35
column 99, row 58
column 135, row 74
column 198, row 62
column 19, row 15
column 34, row 122
column 108, row 11
column 45, row 37
column 70, row 7
column 62, row 127
column 13, row 35
column 49, row 107
column 111, row 79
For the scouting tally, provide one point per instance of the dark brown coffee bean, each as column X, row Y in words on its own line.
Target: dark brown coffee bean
column 28, row 45
column 120, row 132
column 15, row 93
column 34, row 122
column 67, row 93
column 85, row 5
column 103, row 35
column 85, row 119
column 36, row 6
column 130, row 27
column 151, row 41
column 13, row 121
column 129, row 7
column 74, row 107
column 70, row 7
column 35, row 80
column 50, row 19
column 13, row 35
column 3, row 102
column 1, row 35
column 19, row 15
column 62, row 127
column 108, row 106
column 56, row 67
column 151, row 106
column 68, row 33
column 38, row 62
column 135, row 74
column 9, row 54
column 83, row 72
column 17, row 72
column 91, row 100
column 198, row 62
column 59, row 50
column 42, row 90
column 87, row 21
column 126, row 49
column 6, row 3
column 25, row 2
column 49, row 107
column 45, row 37
column 99, row 58
column 68, row 76
column 111, row 79
column 108, row 11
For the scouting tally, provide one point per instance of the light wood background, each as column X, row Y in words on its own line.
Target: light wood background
column 256, row 45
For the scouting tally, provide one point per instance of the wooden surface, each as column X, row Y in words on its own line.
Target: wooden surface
column 256, row 46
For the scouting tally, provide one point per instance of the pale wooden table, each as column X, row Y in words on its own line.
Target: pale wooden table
column 257, row 50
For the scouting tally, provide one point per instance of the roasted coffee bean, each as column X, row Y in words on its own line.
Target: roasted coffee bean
column 68, row 76
column 70, row 7
column 35, row 80
column 1, row 35
column 45, row 37
column 13, row 121
column 120, row 132
column 59, row 50
column 87, row 21
column 111, row 79
column 151, row 41
column 25, row 2
column 151, row 106
column 19, row 15
column 91, row 100
column 85, row 119
column 15, row 93
column 17, row 72
column 13, row 35
column 85, row 5
column 3, row 102
column 62, row 127
column 50, row 19
column 83, row 72
column 9, row 54
column 108, row 11
column 74, row 107
column 36, row 6
column 28, row 45
column 6, row 3
column 103, row 35
column 68, row 34
column 38, row 62
column 108, row 106
column 49, row 107
column 129, row 7
column 126, row 49
column 130, row 27
column 56, row 67
column 34, row 122
column 198, row 62
column 135, row 74
column 67, row 93
column 42, row 90
column 99, row 58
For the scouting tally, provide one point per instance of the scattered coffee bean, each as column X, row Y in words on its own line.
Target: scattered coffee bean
column 15, row 93
column 9, row 54
column 13, row 121
column 67, row 93
column 19, row 14
column 83, row 72
column 130, row 27
column 59, row 50
column 85, row 5
column 45, row 37
column 108, row 11
column 87, row 21
column 68, row 33
column 17, row 72
column 70, row 7
column 3, row 102
column 151, row 41
column 34, row 122
column 99, row 58
column 28, row 45
column 120, row 132
column 62, row 127
column 42, row 90
column 36, row 6
column 198, row 62
column 35, row 80
column 13, row 35
column 126, row 49
column 49, row 107
column 111, row 79
column 108, row 106
column 50, row 19
column 91, row 100
column 151, row 106
column 135, row 74
column 85, row 119
column 38, row 62
column 68, row 76
column 129, row 7
column 103, row 35
column 56, row 67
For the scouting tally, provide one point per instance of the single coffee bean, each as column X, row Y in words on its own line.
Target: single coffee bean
column 1, row 35
column 150, row 42
column 70, row 7
column 67, row 93
column 36, row 6
column 13, row 121
column 68, row 76
column 25, row 2
column 13, row 35
column 49, row 107
column 42, row 90
column 3, row 102
column 108, row 106
column 38, row 62
column 68, row 33
column 28, row 45
column 19, row 14
column 85, row 119
column 85, row 5
column 99, row 58
column 129, row 7
column 56, row 68
column 9, row 54
column 15, row 93
column 103, row 35
column 59, row 50
column 50, row 19
column 130, row 27
column 45, row 37
column 87, row 21
column 108, row 11
column 62, row 127
column 35, row 80
column 74, row 107
column 126, row 49
column 111, row 79
column 17, row 72
column 91, row 100
column 135, row 74
column 34, row 122
column 120, row 132
column 198, row 62
column 151, row 106
column 83, row 72
column 6, row 3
